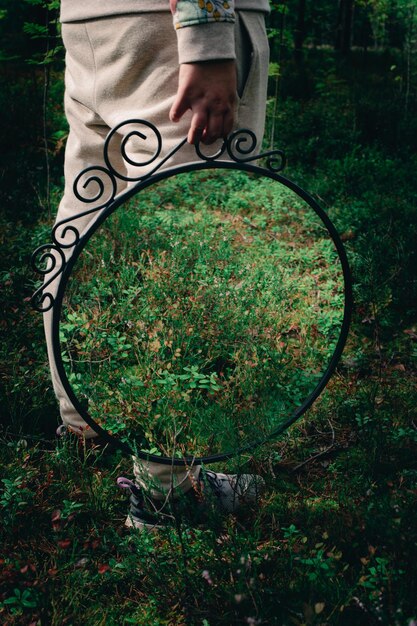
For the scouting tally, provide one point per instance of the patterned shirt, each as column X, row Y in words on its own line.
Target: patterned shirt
column 194, row 12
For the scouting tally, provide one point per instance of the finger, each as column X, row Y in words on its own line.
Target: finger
column 179, row 107
column 214, row 128
column 228, row 123
column 197, row 127
column 195, row 135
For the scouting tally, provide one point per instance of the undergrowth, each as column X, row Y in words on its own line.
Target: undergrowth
column 333, row 540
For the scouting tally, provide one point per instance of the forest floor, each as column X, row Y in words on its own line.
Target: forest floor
column 334, row 539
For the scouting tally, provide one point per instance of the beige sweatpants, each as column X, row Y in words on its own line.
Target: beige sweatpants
column 126, row 67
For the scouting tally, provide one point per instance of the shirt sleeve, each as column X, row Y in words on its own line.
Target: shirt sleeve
column 205, row 29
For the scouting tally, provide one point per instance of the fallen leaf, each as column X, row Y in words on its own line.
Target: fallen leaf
column 155, row 345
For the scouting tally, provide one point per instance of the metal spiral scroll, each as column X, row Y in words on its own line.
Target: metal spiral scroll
column 97, row 185
column 106, row 187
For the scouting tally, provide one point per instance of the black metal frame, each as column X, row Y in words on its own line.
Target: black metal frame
column 50, row 259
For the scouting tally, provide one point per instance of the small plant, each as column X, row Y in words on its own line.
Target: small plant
column 21, row 601
column 192, row 379
column 318, row 565
column 291, row 533
column 15, row 497
column 69, row 508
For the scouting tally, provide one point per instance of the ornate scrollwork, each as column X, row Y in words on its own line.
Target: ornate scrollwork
column 97, row 185
column 90, row 176
column 211, row 157
column 241, row 143
column 47, row 259
column 117, row 143
column 66, row 234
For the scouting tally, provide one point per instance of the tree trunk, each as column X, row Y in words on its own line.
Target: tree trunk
column 300, row 32
column 344, row 26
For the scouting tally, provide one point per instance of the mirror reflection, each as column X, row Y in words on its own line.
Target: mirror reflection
column 202, row 313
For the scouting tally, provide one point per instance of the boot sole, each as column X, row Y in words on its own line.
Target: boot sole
column 131, row 522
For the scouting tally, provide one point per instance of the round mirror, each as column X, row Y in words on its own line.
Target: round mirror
column 204, row 315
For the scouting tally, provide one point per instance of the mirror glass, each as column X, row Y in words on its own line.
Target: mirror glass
column 202, row 313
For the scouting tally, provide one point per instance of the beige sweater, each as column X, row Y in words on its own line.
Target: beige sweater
column 204, row 27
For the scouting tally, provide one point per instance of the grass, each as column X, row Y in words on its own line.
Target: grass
column 334, row 540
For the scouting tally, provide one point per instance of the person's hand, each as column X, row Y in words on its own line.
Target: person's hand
column 209, row 90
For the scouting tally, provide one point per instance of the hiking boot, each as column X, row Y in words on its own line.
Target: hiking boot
column 227, row 492
column 230, row 491
column 140, row 513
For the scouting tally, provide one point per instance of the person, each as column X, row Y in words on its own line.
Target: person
column 195, row 68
